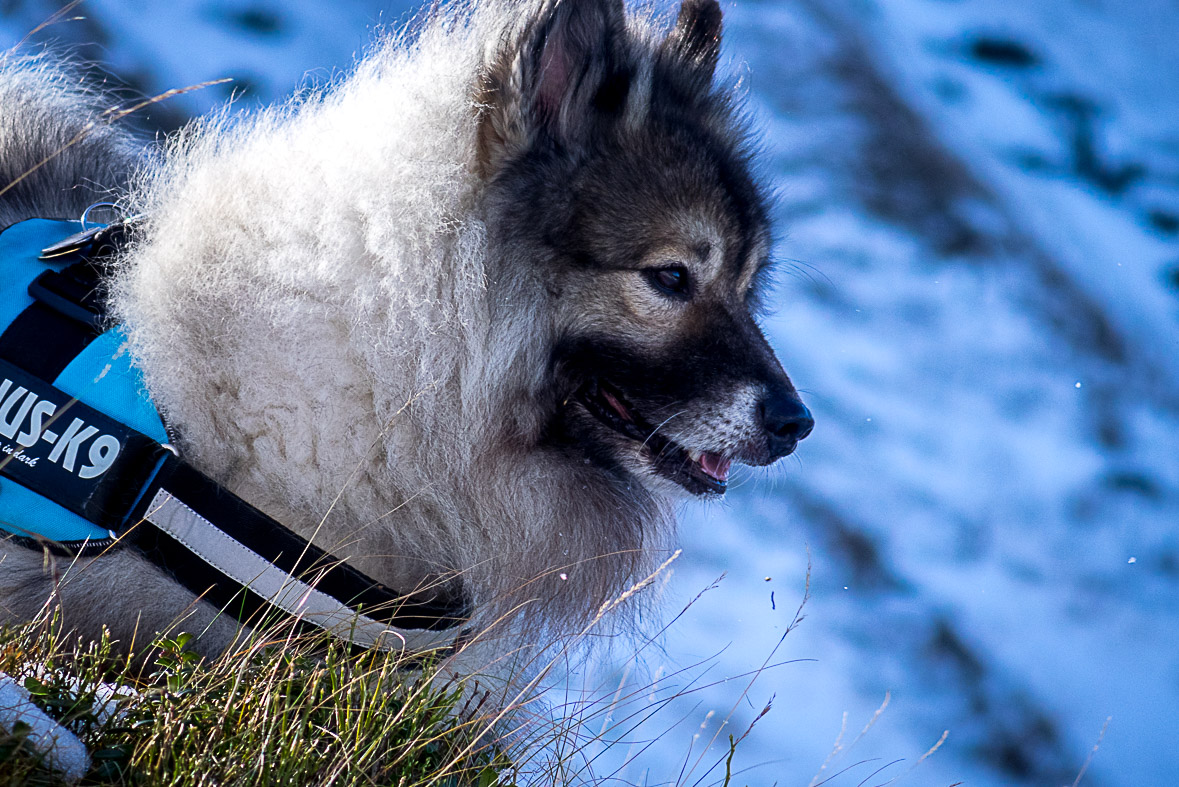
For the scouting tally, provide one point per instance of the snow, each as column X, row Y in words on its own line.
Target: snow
column 979, row 213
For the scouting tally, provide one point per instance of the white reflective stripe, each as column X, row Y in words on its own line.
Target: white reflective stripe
column 249, row 569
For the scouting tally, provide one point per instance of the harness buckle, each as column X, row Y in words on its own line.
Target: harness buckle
column 93, row 243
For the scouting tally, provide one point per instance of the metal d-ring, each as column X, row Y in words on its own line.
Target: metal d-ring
column 86, row 213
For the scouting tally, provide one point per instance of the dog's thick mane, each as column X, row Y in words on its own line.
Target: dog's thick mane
column 314, row 308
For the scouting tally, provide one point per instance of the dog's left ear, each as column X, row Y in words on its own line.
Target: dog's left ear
column 696, row 38
column 563, row 73
column 574, row 57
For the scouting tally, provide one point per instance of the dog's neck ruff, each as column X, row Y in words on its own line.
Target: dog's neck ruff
column 86, row 465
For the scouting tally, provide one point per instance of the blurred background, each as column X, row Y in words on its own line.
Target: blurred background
column 978, row 206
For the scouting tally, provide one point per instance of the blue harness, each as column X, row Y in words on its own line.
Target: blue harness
column 86, row 465
column 101, row 376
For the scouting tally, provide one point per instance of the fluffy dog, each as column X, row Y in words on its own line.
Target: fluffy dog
column 471, row 318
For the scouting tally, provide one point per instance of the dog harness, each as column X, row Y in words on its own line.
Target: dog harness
column 87, row 465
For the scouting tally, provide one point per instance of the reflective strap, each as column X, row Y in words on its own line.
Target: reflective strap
column 295, row 597
column 281, row 547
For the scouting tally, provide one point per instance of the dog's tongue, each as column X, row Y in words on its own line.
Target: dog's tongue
column 716, row 466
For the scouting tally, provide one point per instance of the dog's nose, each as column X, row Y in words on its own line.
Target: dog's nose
column 786, row 422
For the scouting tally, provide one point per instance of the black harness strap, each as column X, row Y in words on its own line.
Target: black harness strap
column 281, row 548
column 68, row 310
column 118, row 495
column 42, row 340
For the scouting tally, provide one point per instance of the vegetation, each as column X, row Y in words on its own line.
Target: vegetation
column 283, row 710
column 287, row 712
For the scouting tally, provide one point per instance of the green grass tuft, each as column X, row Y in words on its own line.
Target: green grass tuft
column 293, row 713
column 310, row 711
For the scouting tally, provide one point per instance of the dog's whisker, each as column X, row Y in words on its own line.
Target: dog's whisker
column 662, row 424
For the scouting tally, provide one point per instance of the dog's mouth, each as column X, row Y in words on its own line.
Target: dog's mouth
column 699, row 472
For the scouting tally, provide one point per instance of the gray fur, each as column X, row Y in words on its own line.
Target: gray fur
column 58, row 153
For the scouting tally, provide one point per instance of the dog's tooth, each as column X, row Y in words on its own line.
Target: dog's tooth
column 695, row 455
column 716, row 466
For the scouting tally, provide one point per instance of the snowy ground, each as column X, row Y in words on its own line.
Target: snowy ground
column 979, row 205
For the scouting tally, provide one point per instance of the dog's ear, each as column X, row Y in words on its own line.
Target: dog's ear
column 696, row 38
column 573, row 58
column 559, row 77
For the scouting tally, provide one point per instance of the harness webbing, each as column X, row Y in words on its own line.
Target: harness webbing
column 210, row 540
column 42, row 340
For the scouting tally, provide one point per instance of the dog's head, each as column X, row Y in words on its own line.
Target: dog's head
column 620, row 188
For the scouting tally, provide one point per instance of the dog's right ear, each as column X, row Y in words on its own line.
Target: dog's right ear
column 552, row 81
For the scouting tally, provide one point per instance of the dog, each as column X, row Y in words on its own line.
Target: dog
column 472, row 319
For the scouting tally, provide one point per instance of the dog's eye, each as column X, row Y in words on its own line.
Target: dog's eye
column 672, row 280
